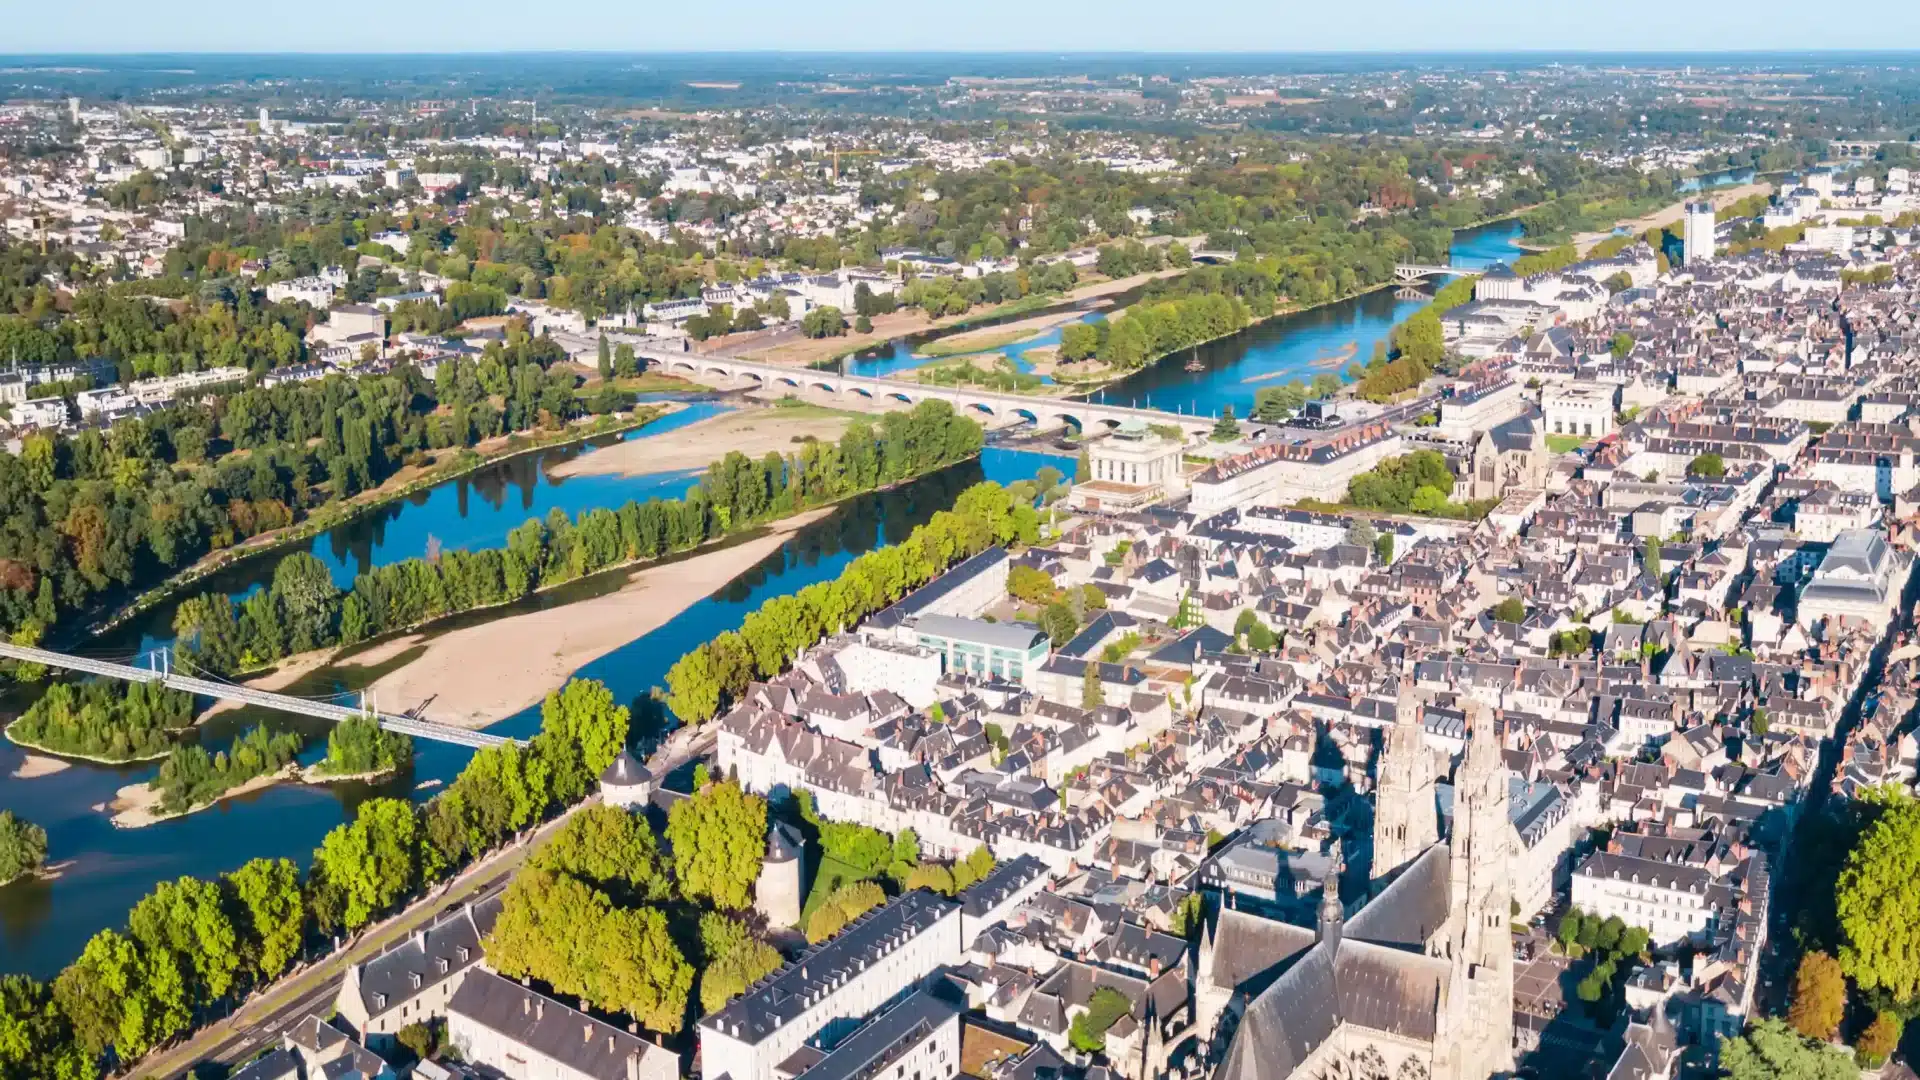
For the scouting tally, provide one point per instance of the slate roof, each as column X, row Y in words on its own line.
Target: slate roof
column 450, row 945
column 549, row 1028
column 1372, row 974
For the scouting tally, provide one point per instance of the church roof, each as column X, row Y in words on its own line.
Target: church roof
column 1339, row 980
column 1249, row 952
column 1413, row 907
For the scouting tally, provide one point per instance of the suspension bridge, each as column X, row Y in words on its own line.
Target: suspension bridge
column 160, row 670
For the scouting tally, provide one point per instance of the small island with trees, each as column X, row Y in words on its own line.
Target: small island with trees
column 359, row 749
column 23, row 847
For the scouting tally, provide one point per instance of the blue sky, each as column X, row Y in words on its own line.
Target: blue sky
column 1151, row 25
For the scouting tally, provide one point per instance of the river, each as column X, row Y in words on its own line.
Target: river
column 43, row 924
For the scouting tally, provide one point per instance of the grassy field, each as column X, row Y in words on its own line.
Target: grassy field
column 832, row 874
column 1560, row 444
column 961, row 344
column 790, row 406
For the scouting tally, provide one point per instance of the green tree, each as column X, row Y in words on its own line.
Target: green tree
column 1877, row 900
column 1622, row 344
column 605, row 358
column 1770, row 1050
column 718, row 837
column 584, row 714
column 23, row 846
column 123, row 998
column 1092, row 694
column 562, row 931
column 36, row 1039
column 1569, row 930
column 1510, row 610
column 1383, row 548
column 1088, row 1032
column 187, row 920
column 269, row 914
column 823, row 322
column 841, row 907
column 1188, row 918
column 611, row 849
column 1709, row 465
column 1651, row 557
column 369, row 864
column 1225, row 427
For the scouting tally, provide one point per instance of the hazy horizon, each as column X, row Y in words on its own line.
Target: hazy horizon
column 441, row 27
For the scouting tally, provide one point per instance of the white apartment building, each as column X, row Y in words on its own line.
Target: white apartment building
column 507, row 1027
column 1674, row 901
column 315, row 292
column 821, row 998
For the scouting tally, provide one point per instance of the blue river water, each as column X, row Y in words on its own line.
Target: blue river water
column 43, row 924
column 104, row 870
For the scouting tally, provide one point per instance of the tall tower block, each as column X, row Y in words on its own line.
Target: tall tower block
column 1698, row 234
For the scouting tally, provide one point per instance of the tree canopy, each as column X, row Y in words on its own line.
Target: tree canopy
column 718, row 837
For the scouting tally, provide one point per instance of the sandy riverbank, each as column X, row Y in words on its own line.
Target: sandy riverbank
column 34, row 766
column 284, row 674
column 481, row 674
column 137, row 806
column 994, row 337
column 753, row 432
column 1671, row 213
column 788, row 347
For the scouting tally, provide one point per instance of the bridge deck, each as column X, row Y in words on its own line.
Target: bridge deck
column 405, row 725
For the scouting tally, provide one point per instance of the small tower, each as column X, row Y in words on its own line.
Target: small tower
column 1698, row 232
column 1333, row 913
column 626, row 783
column 779, row 890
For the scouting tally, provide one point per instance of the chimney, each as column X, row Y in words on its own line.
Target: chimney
column 540, row 1009
column 586, row 1035
column 526, row 1005
column 633, row 1065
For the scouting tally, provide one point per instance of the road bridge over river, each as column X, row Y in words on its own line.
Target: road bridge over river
column 162, row 672
column 1044, row 413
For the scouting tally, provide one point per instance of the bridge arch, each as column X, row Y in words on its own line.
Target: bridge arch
column 681, row 365
column 897, row 395
column 787, row 380
column 983, row 407
column 861, row 390
column 1068, row 420
column 823, row 385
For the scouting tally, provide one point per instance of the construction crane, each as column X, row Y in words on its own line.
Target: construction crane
column 850, row 153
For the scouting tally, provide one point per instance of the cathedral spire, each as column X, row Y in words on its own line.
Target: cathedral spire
column 1333, row 914
column 1478, row 1016
column 1406, row 820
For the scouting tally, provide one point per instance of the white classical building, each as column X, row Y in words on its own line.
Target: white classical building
column 1577, row 408
column 1133, row 467
column 1858, row 580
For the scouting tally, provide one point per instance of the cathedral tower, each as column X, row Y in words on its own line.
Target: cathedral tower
column 1474, row 1039
column 1405, row 820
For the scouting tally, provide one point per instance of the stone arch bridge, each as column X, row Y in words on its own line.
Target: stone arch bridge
column 1000, row 409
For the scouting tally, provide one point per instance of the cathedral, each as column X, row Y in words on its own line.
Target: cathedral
column 1417, row 984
